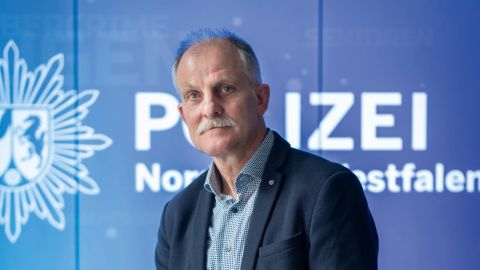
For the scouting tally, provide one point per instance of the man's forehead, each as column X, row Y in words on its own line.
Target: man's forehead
column 205, row 76
column 218, row 44
column 215, row 59
column 208, row 55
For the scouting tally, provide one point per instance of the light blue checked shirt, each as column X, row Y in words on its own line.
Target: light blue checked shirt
column 230, row 220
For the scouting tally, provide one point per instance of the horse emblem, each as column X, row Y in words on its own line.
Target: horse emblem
column 26, row 145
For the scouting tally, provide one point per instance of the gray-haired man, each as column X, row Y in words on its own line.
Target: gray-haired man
column 261, row 204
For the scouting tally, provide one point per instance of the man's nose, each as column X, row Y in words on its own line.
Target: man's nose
column 212, row 107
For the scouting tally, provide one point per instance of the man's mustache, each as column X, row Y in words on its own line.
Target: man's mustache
column 208, row 124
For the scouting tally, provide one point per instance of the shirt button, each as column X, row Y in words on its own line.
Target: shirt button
column 228, row 249
column 234, row 210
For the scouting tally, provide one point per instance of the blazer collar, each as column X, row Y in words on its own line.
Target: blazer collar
column 199, row 233
column 267, row 193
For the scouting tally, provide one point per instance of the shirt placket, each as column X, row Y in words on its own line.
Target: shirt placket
column 228, row 246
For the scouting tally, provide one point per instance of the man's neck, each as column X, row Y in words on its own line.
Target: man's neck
column 229, row 166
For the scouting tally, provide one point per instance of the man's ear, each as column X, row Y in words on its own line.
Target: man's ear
column 263, row 97
column 180, row 110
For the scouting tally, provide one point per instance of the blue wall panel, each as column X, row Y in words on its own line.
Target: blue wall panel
column 35, row 32
column 405, row 70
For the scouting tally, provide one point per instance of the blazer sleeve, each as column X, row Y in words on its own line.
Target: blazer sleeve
column 342, row 231
column 162, row 251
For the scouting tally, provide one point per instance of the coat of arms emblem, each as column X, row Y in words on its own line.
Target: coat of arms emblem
column 42, row 142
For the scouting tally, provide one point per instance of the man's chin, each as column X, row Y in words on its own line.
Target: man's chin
column 216, row 147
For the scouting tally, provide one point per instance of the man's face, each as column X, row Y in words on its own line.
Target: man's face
column 213, row 85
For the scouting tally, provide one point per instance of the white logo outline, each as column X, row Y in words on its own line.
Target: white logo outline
column 68, row 142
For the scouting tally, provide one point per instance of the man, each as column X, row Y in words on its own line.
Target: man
column 261, row 204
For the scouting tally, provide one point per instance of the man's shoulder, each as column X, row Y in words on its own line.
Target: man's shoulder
column 307, row 169
column 301, row 161
column 305, row 161
column 306, row 174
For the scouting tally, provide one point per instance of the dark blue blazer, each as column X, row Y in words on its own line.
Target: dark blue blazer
column 313, row 215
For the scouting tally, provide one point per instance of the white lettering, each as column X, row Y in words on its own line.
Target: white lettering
column 170, row 181
column 409, row 180
column 145, row 124
column 376, row 182
column 371, row 120
column 144, row 176
column 471, row 177
column 189, row 176
column 392, row 174
column 407, row 174
column 419, row 121
column 293, row 119
column 439, row 175
column 455, row 181
column 320, row 138
column 424, row 182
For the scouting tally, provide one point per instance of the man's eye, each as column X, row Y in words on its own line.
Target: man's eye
column 228, row 89
column 192, row 95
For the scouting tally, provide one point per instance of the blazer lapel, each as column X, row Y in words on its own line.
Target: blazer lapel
column 267, row 193
column 199, row 234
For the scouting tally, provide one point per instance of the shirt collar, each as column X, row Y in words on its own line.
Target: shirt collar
column 253, row 168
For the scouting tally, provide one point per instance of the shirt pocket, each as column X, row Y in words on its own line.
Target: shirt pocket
column 285, row 254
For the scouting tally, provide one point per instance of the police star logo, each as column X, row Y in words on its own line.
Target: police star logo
column 42, row 142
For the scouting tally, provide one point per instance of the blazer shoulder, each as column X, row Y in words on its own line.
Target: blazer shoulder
column 298, row 161
column 307, row 162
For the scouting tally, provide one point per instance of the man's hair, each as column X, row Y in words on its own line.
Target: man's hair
column 245, row 51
